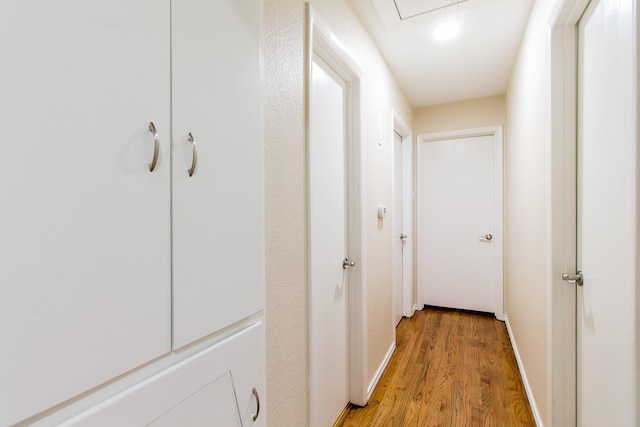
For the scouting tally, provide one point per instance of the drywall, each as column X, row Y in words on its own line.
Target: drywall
column 285, row 197
column 526, row 199
column 474, row 113
column 285, row 213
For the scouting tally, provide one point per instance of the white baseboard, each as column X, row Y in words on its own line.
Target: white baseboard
column 527, row 386
column 380, row 371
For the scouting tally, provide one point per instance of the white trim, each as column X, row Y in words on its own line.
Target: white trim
column 408, row 260
column 561, row 211
column 525, row 381
column 380, row 371
column 322, row 42
column 496, row 131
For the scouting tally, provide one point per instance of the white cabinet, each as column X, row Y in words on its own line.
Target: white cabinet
column 221, row 386
column 89, row 237
column 217, row 212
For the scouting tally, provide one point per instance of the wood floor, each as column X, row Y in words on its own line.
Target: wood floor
column 450, row 368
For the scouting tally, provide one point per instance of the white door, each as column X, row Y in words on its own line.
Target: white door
column 458, row 232
column 398, row 236
column 607, row 215
column 218, row 245
column 329, row 376
column 85, row 278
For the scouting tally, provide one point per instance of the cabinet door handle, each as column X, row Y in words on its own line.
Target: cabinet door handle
column 194, row 159
column 156, row 147
column 255, row 393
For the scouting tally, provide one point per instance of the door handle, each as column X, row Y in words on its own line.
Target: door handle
column 348, row 264
column 403, row 237
column 576, row 279
column 487, row 237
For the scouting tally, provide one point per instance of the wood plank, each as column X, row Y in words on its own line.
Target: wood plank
column 450, row 368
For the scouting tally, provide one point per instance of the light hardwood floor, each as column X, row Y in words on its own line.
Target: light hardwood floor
column 450, row 368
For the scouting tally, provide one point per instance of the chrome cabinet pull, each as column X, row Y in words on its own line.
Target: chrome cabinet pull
column 194, row 160
column 156, row 147
column 488, row 237
column 255, row 393
column 348, row 264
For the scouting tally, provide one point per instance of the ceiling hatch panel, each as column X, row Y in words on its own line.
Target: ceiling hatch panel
column 407, row 9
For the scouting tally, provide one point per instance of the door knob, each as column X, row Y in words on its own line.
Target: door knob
column 487, row 237
column 576, row 279
column 348, row 264
column 403, row 236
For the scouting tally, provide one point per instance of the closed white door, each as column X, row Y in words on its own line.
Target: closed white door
column 217, row 220
column 85, row 278
column 329, row 370
column 607, row 215
column 398, row 236
column 457, row 223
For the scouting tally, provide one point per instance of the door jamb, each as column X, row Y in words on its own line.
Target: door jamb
column 561, row 211
column 496, row 132
column 321, row 41
column 400, row 127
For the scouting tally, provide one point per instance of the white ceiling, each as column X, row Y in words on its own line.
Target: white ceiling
column 477, row 63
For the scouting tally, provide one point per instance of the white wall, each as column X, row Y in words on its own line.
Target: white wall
column 526, row 200
column 473, row 113
column 285, row 193
column 285, row 202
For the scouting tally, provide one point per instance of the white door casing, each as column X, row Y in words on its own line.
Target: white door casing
column 607, row 215
column 404, row 180
column 459, row 202
column 408, row 252
column 323, row 44
column 397, row 236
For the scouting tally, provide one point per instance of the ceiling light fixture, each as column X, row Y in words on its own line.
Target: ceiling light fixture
column 449, row 28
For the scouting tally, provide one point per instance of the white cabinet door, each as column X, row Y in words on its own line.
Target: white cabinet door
column 223, row 386
column 85, row 248
column 217, row 212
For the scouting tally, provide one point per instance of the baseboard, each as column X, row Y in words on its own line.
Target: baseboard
column 527, row 386
column 380, row 371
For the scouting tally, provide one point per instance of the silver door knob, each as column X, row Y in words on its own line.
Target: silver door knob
column 348, row 264
column 576, row 279
column 486, row 237
column 403, row 236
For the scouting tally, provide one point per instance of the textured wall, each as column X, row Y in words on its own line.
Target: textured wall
column 285, row 210
column 474, row 113
column 285, row 194
column 526, row 199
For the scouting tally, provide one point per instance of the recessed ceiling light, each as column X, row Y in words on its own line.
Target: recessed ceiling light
column 446, row 30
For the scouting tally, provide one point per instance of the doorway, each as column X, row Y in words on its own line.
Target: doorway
column 606, row 216
column 594, row 213
column 337, row 264
column 402, row 215
column 460, row 220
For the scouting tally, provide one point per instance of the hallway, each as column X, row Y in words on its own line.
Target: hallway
column 450, row 368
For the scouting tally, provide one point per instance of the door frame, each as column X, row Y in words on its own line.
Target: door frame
column 400, row 127
column 321, row 41
column 496, row 132
column 561, row 211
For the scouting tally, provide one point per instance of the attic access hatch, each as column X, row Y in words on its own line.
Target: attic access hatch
column 407, row 9
column 399, row 14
